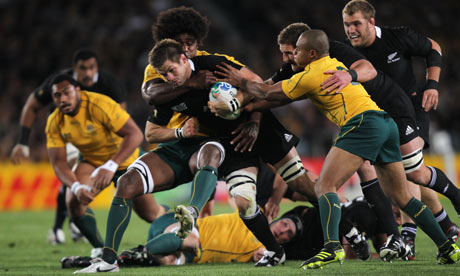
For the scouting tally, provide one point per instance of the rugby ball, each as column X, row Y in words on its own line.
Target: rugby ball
column 224, row 91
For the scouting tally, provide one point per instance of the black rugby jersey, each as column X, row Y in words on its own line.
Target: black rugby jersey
column 194, row 103
column 106, row 84
column 392, row 51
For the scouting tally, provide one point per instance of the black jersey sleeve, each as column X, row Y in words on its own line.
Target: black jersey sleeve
column 43, row 92
column 344, row 53
column 413, row 43
column 209, row 62
column 284, row 73
column 112, row 86
column 161, row 115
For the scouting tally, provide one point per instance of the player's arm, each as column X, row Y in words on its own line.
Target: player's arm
column 157, row 91
column 360, row 71
column 28, row 115
column 433, row 61
column 155, row 133
column 272, row 207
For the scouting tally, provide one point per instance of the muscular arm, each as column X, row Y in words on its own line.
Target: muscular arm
column 434, row 71
column 365, row 71
column 30, row 111
column 59, row 162
column 132, row 138
column 158, row 134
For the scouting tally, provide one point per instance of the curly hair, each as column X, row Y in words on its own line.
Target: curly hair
column 181, row 20
column 291, row 33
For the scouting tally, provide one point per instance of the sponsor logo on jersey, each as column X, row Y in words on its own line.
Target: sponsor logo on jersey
column 393, row 57
column 409, row 130
column 288, row 137
column 180, row 107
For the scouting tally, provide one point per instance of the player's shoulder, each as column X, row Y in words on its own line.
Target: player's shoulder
column 94, row 98
column 106, row 76
column 53, row 119
column 396, row 31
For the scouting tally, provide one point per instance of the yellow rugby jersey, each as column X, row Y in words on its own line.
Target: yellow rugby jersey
column 338, row 107
column 224, row 238
column 92, row 130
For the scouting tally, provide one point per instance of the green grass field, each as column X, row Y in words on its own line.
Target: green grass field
column 25, row 251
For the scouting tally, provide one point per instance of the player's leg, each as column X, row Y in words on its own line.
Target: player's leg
column 147, row 208
column 428, row 176
column 242, row 186
column 204, row 163
column 408, row 226
column 393, row 180
column 56, row 234
column 82, row 215
column 338, row 167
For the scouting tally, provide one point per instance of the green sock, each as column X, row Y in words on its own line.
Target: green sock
column 165, row 243
column 424, row 218
column 330, row 213
column 203, row 185
column 118, row 220
column 88, row 227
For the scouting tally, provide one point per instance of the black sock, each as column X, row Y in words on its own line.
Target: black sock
column 441, row 184
column 381, row 206
column 61, row 209
column 443, row 219
column 409, row 230
column 258, row 225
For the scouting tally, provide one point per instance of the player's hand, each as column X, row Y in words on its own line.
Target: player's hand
column 219, row 108
column 191, row 128
column 272, row 210
column 246, row 136
column 430, row 99
column 338, row 80
column 19, row 153
column 85, row 196
column 229, row 73
column 258, row 254
column 202, row 80
column 102, row 178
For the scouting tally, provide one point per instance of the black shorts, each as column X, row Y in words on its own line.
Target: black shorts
column 422, row 118
column 407, row 128
column 274, row 140
column 235, row 160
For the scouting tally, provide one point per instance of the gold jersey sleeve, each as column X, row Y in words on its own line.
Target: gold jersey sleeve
column 338, row 107
column 92, row 130
column 224, row 239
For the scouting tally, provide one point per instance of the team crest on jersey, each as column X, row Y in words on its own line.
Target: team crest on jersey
column 180, row 107
column 90, row 128
column 66, row 136
column 393, row 57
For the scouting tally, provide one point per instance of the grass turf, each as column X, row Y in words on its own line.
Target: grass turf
column 25, row 251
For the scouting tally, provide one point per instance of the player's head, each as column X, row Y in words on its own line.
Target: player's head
column 85, row 67
column 183, row 24
column 287, row 228
column 168, row 58
column 66, row 94
column 359, row 22
column 287, row 40
column 311, row 46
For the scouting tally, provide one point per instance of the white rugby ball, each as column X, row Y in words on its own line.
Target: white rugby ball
column 224, row 91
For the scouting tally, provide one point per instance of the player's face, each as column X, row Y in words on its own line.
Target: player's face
column 358, row 29
column 302, row 55
column 66, row 97
column 176, row 72
column 189, row 44
column 283, row 230
column 287, row 51
column 86, row 70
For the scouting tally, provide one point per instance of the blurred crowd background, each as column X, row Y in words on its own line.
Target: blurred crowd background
column 38, row 37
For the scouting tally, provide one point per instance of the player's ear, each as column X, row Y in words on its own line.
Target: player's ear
column 372, row 20
column 183, row 58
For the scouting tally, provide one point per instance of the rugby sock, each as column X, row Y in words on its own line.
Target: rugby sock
column 203, row 186
column 258, row 225
column 443, row 219
column 330, row 212
column 441, row 184
column 424, row 218
column 166, row 243
column 61, row 209
column 118, row 220
column 409, row 230
column 88, row 227
column 381, row 205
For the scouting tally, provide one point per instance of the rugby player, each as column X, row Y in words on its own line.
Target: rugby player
column 108, row 141
column 348, row 152
column 391, row 49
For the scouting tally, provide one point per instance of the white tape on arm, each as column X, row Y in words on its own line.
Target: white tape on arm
column 109, row 165
column 76, row 186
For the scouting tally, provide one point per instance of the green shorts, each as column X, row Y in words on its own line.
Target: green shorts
column 372, row 135
column 177, row 155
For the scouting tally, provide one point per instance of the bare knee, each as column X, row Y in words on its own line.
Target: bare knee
column 74, row 207
column 421, row 176
column 129, row 185
column 242, row 204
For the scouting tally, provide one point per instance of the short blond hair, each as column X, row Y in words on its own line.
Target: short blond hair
column 362, row 6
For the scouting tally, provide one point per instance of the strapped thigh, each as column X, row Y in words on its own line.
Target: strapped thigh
column 413, row 161
column 218, row 146
column 146, row 175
